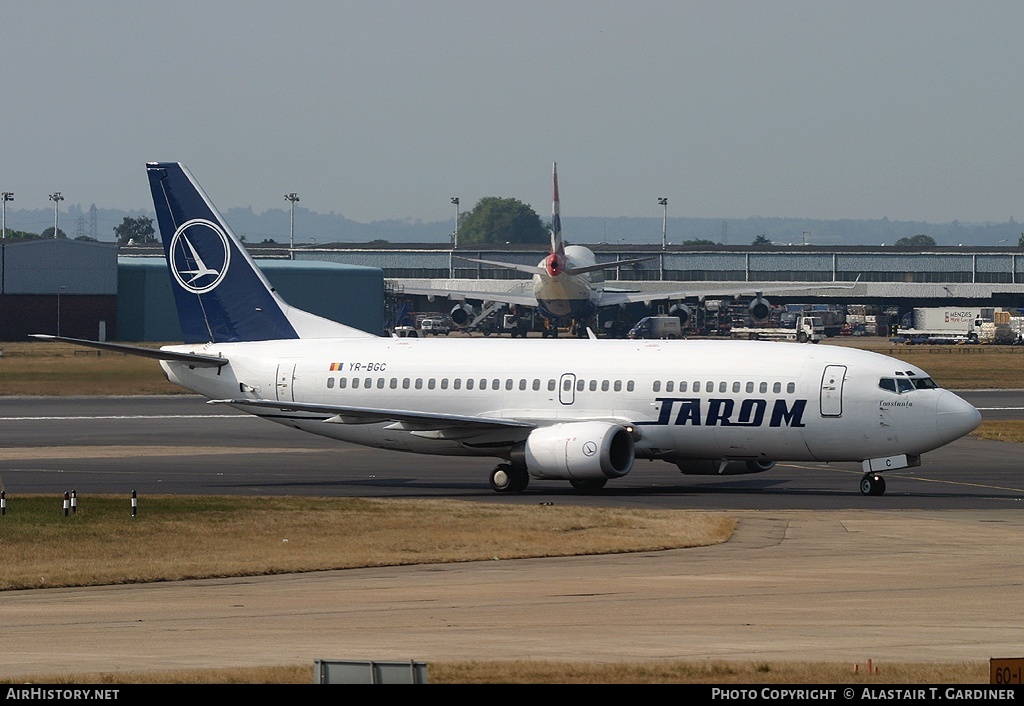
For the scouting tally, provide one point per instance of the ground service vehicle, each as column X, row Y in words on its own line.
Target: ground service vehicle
column 657, row 327
column 808, row 328
column 942, row 325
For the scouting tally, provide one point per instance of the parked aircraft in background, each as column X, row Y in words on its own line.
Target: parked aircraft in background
column 581, row 411
column 568, row 285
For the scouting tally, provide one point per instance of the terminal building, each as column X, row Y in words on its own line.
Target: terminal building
column 88, row 290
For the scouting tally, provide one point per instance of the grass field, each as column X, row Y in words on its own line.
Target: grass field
column 229, row 536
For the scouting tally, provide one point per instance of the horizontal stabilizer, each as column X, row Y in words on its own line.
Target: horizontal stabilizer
column 196, row 360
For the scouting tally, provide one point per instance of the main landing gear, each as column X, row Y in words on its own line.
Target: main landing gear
column 872, row 484
column 507, row 478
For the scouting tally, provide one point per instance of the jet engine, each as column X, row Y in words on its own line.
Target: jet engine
column 759, row 308
column 711, row 467
column 461, row 314
column 682, row 311
column 578, row 451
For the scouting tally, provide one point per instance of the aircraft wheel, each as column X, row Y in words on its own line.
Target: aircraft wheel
column 501, row 478
column 872, row 484
column 509, row 479
column 588, row 486
column 520, row 479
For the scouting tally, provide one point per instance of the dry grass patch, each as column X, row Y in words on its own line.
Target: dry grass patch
column 183, row 537
column 539, row 672
column 1001, row 430
column 955, row 367
column 707, row 672
column 43, row 368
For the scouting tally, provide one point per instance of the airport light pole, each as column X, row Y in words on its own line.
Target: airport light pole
column 292, row 197
column 455, row 238
column 59, row 291
column 56, row 198
column 8, row 196
column 664, row 221
column 455, row 201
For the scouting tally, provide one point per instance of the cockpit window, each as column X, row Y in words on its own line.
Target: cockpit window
column 901, row 385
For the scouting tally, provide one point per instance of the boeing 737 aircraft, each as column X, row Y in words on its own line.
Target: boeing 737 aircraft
column 565, row 286
column 581, row 411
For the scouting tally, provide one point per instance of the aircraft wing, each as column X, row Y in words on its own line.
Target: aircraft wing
column 519, row 299
column 430, row 424
column 611, row 298
column 196, row 360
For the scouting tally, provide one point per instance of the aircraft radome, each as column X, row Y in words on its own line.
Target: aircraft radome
column 581, row 411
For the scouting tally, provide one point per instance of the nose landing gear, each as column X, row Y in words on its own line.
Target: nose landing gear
column 872, row 484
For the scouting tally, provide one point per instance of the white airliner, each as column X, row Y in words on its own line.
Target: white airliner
column 581, row 411
column 567, row 284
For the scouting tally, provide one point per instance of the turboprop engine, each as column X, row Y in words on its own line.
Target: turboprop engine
column 759, row 308
column 578, row 451
column 711, row 467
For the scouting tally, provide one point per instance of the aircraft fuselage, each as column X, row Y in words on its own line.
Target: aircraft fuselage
column 566, row 295
column 682, row 399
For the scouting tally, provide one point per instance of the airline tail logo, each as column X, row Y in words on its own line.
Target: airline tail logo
column 200, row 255
column 556, row 218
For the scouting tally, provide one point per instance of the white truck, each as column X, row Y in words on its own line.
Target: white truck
column 942, row 324
column 808, row 328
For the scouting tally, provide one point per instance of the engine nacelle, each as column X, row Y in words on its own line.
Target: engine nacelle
column 759, row 308
column 711, row 467
column 461, row 314
column 578, row 451
column 682, row 311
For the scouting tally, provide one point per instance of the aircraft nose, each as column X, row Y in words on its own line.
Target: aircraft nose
column 955, row 416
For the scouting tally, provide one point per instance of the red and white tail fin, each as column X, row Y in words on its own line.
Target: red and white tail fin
column 555, row 262
column 557, row 244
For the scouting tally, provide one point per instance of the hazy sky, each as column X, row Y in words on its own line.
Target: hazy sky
column 911, row 110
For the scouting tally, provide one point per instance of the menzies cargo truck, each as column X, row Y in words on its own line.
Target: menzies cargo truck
column 944, row 324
